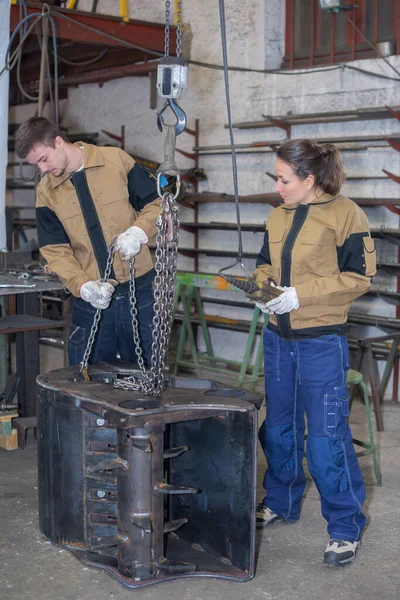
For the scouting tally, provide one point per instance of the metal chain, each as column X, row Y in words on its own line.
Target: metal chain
column 179, row 30
column 92, row 336
column 167, row 238
column 167, row 29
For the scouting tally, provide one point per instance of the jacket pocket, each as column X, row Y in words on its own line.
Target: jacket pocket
column 70, row 211
column 72, row 220
column 369, row 256
column 316, row 253
column 115, row 211
column 336, row 411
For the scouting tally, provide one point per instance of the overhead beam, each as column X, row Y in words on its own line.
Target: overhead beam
column 141, row 33
column 103, row 75
column 100, row 76
column 30, row 65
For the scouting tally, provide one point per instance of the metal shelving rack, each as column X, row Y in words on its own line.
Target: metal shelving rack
column 286, row 122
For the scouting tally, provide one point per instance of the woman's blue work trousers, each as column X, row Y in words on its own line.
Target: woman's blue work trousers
column 309, row 376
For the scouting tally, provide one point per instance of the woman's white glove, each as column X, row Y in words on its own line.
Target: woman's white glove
column 97, row 293
column 285, row 302
column 264, row 308
column 128, row 243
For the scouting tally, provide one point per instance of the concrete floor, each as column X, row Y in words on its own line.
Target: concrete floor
column 289, row 557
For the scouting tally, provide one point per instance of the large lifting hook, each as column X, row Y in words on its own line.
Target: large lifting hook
column 178, row 112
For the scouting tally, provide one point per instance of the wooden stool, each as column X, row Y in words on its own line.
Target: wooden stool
column 22, row 424
column 356, row 378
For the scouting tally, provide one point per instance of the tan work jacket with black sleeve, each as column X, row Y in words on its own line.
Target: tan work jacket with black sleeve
column 323, row 249
column 79, row 213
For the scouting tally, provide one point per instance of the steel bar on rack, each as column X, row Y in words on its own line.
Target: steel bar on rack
column 388, row 296
column 19, row 222
column 353, row 317
column 391, row 268
column 224, row 226
column 351, row 177
column 381, row 233
column 270, row 145
column 213, row 252
column 19, row 184
column 362, row 114
column 217, row 197
column 379, row 348
column 271, row 198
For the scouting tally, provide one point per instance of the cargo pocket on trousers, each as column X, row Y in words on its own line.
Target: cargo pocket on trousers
column 336, row 412
column 76, row 344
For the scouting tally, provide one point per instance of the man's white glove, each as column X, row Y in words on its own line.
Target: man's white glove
column 97, row 293
column 264, row 308
column 285, row 302
column 128, row 243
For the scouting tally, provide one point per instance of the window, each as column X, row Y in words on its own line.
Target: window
column 317, row 37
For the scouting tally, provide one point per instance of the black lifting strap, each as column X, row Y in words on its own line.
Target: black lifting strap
column 92, row 222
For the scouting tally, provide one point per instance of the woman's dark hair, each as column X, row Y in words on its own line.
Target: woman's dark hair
column 36, row 130
column 321, row 160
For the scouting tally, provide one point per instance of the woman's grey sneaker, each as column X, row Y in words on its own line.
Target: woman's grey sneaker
column 264, row 516
column 340, row 552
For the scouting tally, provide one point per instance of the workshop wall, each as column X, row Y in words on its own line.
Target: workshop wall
column 255, row 33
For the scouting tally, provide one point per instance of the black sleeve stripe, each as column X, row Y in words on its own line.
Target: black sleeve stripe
column 142, row 187
column 49, row 228
column 351, row 254
column 264, row 256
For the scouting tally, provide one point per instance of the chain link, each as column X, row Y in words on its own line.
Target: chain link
column 179, row 29
column 92, row 336
column 152, row 381
column 167, row 29
column 167, row 238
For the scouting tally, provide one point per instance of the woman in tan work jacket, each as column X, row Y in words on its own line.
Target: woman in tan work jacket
column 318, row 250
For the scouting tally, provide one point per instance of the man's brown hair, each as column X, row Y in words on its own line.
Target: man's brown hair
column 36, row 130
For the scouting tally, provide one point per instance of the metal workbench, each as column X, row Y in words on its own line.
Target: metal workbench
column 26, row 324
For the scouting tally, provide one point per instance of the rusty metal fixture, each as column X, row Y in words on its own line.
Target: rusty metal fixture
column 148, row 489
column 260, row 293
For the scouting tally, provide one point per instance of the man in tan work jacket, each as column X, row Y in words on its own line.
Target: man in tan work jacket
column 87, row 196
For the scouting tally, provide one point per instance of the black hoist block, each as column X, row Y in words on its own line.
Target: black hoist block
column 148, row 488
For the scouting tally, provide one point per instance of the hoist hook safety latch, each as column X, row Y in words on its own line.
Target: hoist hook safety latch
column 179, row 114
